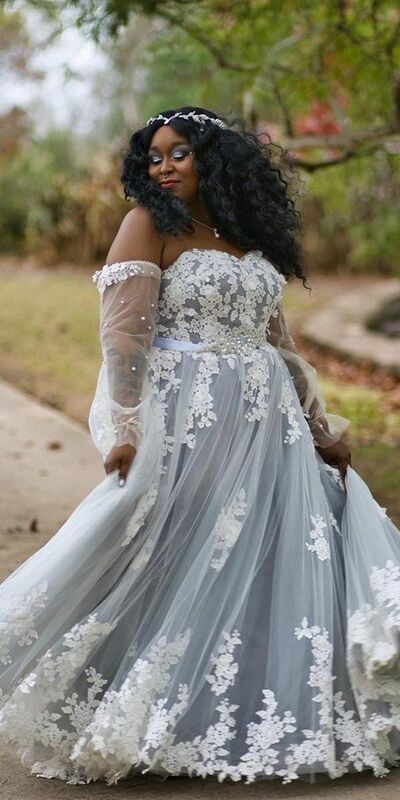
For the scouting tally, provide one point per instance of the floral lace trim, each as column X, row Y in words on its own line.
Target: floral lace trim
column 163, row 380
column 205, row 298
column 320, row 545
column 257, row 389
column 134, row 715
column 288, row 409
column 225, row 667
column 201, row 405
column 134, row 725
column 144, row 505
column 20, row 629
column 227, row 529
column 27, row 717
column 334, row 473
column 121, row 270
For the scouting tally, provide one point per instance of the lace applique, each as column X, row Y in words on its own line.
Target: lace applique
column 261, row 757
column 145, row 503
column 227, row 529
column 120, row 271
column 287, row 408
column 334, row 523
column 320, row 544
column 201, row 405
column 20, row 628
column 385, row 582
column 133, row 724
column 349, row 730
column 27, row 718
column 164, row 380
column 334, row 473
column 134, row 716
column 202, row 297
column 225, row 667
column 257, row 388
column 316, row 745
column 371, row 649
column 205, row 755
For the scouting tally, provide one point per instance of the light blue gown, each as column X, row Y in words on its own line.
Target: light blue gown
column 233, row 610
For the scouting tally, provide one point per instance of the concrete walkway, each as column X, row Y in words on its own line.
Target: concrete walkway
column 48, row 464
column 340, row 325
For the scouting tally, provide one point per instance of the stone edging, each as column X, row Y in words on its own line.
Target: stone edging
column 340, row 326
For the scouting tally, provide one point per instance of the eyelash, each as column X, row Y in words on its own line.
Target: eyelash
column 181, row 153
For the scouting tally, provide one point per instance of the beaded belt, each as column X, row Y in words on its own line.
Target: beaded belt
column 228, row 342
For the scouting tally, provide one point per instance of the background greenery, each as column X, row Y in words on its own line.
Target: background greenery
column 321, row 77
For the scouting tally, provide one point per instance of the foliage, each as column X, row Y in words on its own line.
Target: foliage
column 321, row 77
column 282, row 54
column 352, row 219
column 59, row 199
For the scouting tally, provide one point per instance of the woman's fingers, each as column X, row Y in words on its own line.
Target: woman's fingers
column 123, row 471
column 120, row 458
column 110, row 466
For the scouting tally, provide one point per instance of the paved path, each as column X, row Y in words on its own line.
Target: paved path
column 48, row 464
column 340, row 324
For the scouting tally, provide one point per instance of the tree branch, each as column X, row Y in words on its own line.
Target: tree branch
column 312, row 166
column 346, row 142
column 288, row 124
column 200, row 37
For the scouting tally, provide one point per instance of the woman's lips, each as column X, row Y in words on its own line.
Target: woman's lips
column 166, row 184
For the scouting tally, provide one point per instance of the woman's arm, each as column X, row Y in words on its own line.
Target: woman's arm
column 129, row 286
column 326, row 429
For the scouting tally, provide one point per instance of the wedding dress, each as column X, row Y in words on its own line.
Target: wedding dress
column 233, row 610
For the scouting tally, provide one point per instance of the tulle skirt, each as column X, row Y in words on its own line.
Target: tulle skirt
column 233, row 611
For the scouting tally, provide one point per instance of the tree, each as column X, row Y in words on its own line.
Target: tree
column 287, row 60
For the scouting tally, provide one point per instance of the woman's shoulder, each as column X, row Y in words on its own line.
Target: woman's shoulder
column 137, row 239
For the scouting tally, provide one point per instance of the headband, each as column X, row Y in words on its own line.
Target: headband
column 192, row 115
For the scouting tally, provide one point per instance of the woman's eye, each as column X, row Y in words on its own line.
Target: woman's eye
column 177, row 155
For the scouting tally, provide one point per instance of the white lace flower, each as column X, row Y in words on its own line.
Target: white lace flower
column 227, row 529
column 320, row 545
column 144, row 505
column 286, row 405
column 225, row 668
column 19, row 613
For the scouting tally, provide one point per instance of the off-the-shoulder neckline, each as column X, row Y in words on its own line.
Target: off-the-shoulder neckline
column 239, row 259
column 213, row 250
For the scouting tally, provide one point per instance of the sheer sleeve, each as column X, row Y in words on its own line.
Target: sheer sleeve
column 325, row 428
column 129, row 293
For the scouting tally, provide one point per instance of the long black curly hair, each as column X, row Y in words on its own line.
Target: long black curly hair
column 243, row 184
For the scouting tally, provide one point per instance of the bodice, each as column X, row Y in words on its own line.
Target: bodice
column 205, row 294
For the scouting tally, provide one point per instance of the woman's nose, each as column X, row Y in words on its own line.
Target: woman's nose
column 165, row 164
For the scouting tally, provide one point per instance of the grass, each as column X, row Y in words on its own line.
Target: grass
column 48, row 337
column 49, row 347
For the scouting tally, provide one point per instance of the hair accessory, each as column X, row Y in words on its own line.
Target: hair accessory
column 200, row 119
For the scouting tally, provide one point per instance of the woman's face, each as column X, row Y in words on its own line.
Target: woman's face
column 171, row 158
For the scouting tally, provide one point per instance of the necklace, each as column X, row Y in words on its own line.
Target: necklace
column 210, row 228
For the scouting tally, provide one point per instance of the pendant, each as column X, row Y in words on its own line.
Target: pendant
column 216, row 234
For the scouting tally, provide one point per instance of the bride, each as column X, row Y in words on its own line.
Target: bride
column 227, row 601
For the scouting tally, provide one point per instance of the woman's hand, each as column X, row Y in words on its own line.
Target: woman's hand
column 337, row 454
column 120, row 458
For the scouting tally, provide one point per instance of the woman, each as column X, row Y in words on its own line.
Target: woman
column 226, row 601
